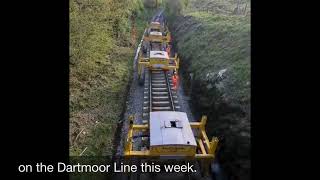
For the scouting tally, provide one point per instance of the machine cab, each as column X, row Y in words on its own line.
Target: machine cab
column 155, row 26
column 171, row 134
column 159, row 59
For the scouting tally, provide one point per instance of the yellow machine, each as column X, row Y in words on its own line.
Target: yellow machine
column 171, row 134
column 157, row 60
column 167, row 131
column 156, row 37
column 157, row 33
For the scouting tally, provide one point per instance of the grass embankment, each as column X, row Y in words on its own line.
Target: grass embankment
column 210, row 43
column 215, row 48
column 101, row 56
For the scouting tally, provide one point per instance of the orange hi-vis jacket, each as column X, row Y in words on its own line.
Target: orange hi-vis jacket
column 175, row 81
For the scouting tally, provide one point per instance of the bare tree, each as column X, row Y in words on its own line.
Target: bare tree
column 237, row 9
column 245, row 8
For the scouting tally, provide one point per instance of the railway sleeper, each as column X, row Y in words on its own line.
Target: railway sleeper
column 160, row 103
column 146, row 108
column 159, row 81
column 145, row 115
column 159, row 85
column 155, row 73
column 158, row 78
column 160, row 98
column 145, row 121
column 157, row 89
column 161, row 108
column 160, row 93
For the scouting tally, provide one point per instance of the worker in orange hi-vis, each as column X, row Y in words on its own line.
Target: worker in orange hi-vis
column 175, row 80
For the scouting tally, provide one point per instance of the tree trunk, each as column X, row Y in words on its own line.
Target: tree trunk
column 237, row 9
column 245, row 9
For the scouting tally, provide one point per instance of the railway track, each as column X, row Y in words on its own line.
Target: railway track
column 159, row 94
column 162, row 131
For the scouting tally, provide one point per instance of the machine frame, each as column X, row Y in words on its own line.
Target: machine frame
column 207, row 147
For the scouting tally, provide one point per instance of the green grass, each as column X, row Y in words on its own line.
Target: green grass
column 219, row 6
column 207, row 43
column 101, row 58
column 217, row 42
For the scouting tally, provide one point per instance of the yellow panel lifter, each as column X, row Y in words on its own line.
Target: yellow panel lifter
column 171, row 134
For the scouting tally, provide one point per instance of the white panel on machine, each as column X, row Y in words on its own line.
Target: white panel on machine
column 159, row 54
column 170, row 128
column 155, row 33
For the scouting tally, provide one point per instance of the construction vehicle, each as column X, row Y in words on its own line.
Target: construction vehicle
column 153, row 55
column 165, row 130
